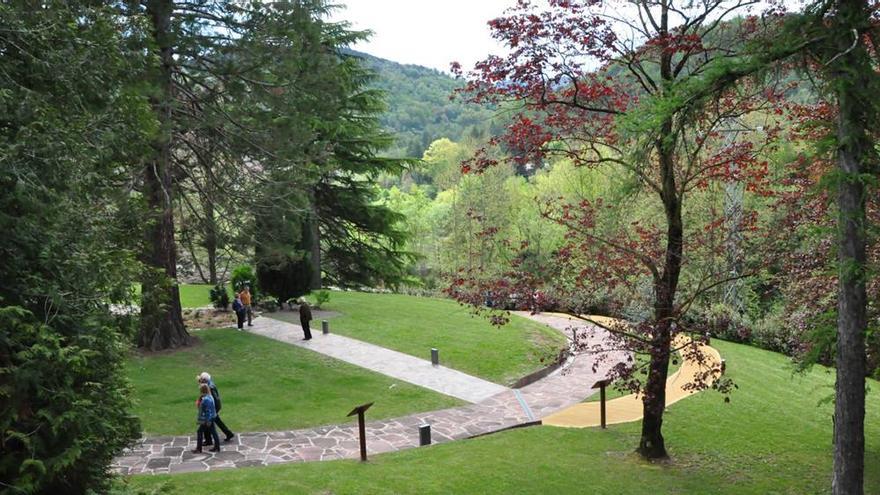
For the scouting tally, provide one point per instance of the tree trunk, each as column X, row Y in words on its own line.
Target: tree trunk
column 849, row 77
column 314, row 225
column 161, row 319
column 210, row 243
column 651, row 444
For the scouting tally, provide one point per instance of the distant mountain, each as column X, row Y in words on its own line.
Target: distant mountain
column 419, row 106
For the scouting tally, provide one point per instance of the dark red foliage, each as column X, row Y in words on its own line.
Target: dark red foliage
column 642, row 104
column 808, row 273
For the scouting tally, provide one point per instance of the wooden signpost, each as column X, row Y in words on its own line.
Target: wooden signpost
column 362, row 431
column 601, row 384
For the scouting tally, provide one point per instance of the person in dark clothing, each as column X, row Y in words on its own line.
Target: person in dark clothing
column 205, row 419
column 240, row 311
column 204, row 377
column 305, row 316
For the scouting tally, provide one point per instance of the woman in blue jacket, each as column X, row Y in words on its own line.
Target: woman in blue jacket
column 207, row 413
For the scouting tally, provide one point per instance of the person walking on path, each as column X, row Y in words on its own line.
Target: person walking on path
column 204, row 377
column 205, row 420
column 245, row 296
column 238, row 307
column 305, row 316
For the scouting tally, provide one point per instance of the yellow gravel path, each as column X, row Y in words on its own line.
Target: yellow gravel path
column 629, row 408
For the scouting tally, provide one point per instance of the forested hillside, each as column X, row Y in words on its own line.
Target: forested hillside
column 420, row 109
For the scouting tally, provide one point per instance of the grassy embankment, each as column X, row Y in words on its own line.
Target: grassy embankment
column 773, row 437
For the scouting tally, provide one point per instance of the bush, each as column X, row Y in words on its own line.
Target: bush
column 321, row 298
column 724, row 323
column 219, row 297
column 243, row 275
column 284, row 278
column 773, row 332
column 64, row 413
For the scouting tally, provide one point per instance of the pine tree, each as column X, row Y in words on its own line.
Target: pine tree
column 73, row 128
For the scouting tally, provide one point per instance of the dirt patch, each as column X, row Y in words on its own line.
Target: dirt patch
column 198, row 318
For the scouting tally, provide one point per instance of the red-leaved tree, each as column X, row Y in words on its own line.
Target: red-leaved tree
column 647, row 88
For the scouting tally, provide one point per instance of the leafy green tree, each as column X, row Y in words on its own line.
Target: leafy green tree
column 73, row 125
column 419, row 108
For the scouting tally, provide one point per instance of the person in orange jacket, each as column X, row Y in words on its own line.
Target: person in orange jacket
column 245, row 296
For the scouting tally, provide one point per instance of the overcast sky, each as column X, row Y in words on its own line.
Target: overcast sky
column 426, row 32
column 434, row 33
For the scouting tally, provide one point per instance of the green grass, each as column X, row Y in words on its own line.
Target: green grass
column 413, row 325
column 192, row 295
column 774, row 437
column 265, row 385
column 198, row 295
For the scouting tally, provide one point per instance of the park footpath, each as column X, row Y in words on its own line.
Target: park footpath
column 493, row 407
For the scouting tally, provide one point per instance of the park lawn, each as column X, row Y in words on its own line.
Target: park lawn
column 192, row 295
column 265, row 385
column 413, row 325
column 197, row 295
column 774, row 437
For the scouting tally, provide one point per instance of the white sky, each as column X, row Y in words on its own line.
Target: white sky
column 434, row 33
column 425, row 32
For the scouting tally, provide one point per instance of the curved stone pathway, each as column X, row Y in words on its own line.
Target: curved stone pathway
column 503, row 410
column 379, row 359
column 629, row 408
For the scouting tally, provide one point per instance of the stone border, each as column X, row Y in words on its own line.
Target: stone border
column 561, row 360
column 527, row 424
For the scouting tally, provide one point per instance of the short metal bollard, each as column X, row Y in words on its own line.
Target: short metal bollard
column 435, row 357
column 325, row 327
column 424, row 435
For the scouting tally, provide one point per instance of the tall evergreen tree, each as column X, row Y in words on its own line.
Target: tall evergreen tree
column 849, row 71
column 330, row 224
column 237, row 91
column 161, row 315
column 72, row 125
column 359, row 238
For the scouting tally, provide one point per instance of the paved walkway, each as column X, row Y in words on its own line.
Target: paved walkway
column 629, row 408
column 392, row 363
column 506, row 409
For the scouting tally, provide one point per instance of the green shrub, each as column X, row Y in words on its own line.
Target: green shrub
column 65, row 402
column 243, row 275
column 321, row 297
column 284, row 278
column 219, row 297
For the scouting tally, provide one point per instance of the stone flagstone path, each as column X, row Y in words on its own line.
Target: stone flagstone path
column 392, row 363
column 503, row 410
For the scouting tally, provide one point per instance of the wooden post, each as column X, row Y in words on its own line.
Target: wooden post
column 362, row 431
column 601, row 384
